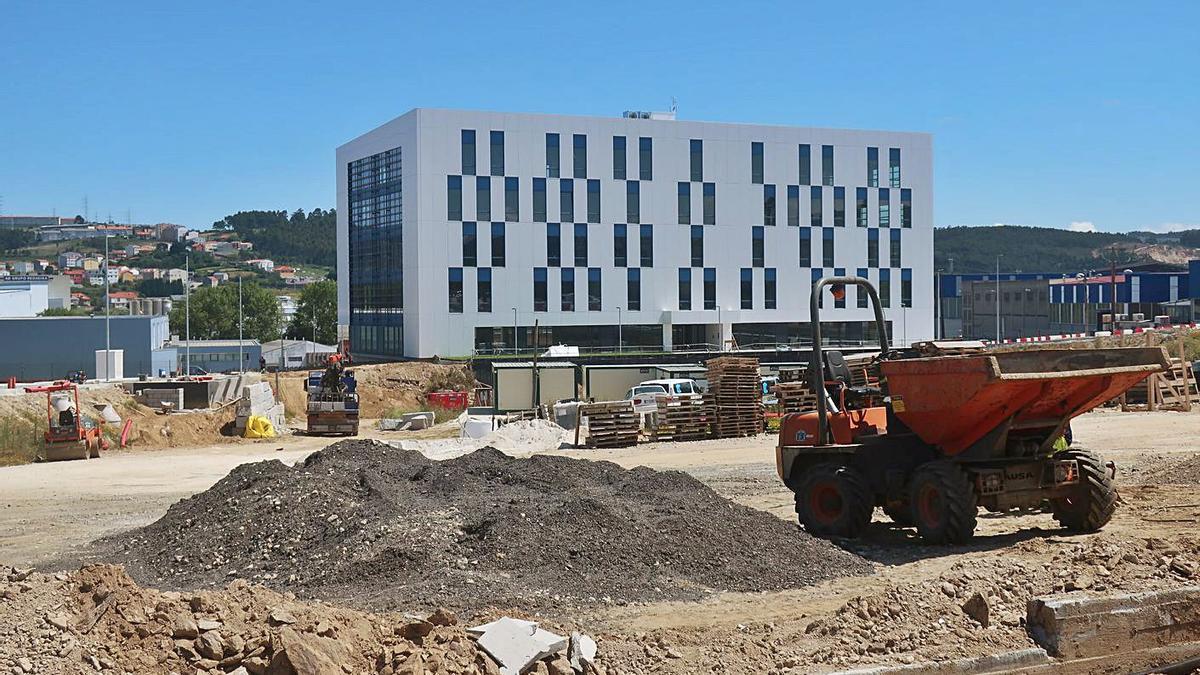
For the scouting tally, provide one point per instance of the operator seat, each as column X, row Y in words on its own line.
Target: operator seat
column 836, row 370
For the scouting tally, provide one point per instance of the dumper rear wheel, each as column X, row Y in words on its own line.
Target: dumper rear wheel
column 1091, row 504
column 943, row 503
column 834, row 500
column 900, row 515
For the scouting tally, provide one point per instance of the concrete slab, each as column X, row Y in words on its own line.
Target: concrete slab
column 1082, row 625
column 992, row 663
column 516, row 644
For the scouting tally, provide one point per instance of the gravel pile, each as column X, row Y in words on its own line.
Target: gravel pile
column 1173, row 471
column 379, row 527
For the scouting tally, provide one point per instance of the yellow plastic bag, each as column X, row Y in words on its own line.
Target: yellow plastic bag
column 259, row 427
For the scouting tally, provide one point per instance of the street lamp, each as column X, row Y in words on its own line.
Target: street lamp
column 619, row 340
column 998, row 257
column 516, row 342
column 108, row 359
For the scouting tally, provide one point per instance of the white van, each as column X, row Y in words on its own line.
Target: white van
column 645, row 394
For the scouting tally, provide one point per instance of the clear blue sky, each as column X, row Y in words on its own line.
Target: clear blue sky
column 1043, row 113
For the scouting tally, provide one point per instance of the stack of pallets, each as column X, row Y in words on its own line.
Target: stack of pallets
column 682, row 418
column 611, row 424
column 735, row 391
column 1174, row 389
column 795, row 397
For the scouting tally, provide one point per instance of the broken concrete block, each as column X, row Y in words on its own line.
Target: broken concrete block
column 1081, row 625
column 582, row 651
column 977, row 608
column 516, row 644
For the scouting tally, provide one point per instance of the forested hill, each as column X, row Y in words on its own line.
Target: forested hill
column 1046, row 249
column 307, row 238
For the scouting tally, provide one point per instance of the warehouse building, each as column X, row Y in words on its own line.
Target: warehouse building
column 457, row 231
column 50, row 347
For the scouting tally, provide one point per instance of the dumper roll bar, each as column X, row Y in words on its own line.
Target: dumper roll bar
column 817, row 364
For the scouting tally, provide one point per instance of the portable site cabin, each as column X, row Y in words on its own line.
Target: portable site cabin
column 512, row 383
column 609, row 382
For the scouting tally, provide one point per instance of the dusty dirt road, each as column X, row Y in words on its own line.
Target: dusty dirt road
column 46, row 509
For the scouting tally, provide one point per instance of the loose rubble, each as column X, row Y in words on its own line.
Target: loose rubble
column 98, row 619
column 383, row 528
column 1173, row 471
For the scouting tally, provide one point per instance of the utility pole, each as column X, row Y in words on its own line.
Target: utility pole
column 1112, row 279
column 241, row 357
column 619, row 336
column 516, row 342
column 108, row 358
column 187, row 313
column 998, row 297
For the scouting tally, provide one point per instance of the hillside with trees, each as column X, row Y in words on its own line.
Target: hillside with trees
column 1046, row 249
column 299, row 237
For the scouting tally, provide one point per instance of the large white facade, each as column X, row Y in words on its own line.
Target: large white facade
column 737, row 162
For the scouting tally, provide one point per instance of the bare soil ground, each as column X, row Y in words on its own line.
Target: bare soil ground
column 909, row 611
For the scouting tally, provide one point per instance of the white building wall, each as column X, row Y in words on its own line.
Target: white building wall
column 23, row 298
column 431, row 151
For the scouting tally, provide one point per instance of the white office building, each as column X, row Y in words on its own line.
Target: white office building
column 458, row 230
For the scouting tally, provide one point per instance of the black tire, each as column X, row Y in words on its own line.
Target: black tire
column 1092, row 503
column 943, row 502
column 834, row 500
column 900, row 515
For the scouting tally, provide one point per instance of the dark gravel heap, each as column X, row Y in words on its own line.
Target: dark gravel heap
column 1173, row 471
column 368, row 524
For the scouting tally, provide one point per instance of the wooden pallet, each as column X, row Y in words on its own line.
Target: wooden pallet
column 795, row 397
column 1174, row 389
column 682, row 419
column 735, row 392
column 610, row 424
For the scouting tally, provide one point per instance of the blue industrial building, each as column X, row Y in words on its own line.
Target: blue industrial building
column 41, row 348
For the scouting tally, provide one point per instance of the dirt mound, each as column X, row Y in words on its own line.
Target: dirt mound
column 388, row 386
column 98, row 619
column 376, row 526
column 1173, row 472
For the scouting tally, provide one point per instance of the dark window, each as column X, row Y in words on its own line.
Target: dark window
column 646, row 158
column 483, row 198
column 816, row 211
column 756, row 162
column 769, row 288
column 685, row 203
column 806, row 247
column 468, row 152
column 756, row 246
column 872, row 167
column 512, row 199
column 579, row 156
column 497, row 244
column 620, row 246
column 646, row 246
column 839, row 302
column 906, row 288
column 710, row 203
column 497, row 153
column 566, row 200
column 483, row 289
column 453, row 197
column 872, row 248
column 633, row 289
column 697, row 157
column 895, row 249
column 862, row 300
column 619, row 158
column 861, row 217
column 793, row 205
column 456, row 290
column 581, row 245
column 839, row 207
column 552, row 156
column 710, row 288
column 827, row 165
column 593, row 201
column 539, row 289
column 553, row 244
column 539, row 200
column 593, row 289
column 805, row 164
column 697, row 246
column 817, row 273
column 375, row 251
column 769, row 205
column 566, row 301
column 685, row 288
column 894, row 167
column 906, row 208
column 633, row 202
column 885, row 287
column 747, row 287
column 827, row 247
column 470, row 248
column 885, row 208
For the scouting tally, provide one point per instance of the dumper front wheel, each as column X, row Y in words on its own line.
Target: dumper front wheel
column 943, row 503
column 1091, row 504
column 834, row 500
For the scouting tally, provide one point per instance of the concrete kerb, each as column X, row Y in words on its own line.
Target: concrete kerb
column 991, row 663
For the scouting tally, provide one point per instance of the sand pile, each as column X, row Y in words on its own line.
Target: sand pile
column 375, row 526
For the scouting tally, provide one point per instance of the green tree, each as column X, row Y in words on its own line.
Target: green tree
column 316, row 312
column 65, row 311
column 13, row 239
column 298, row 237
column 214, row 314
